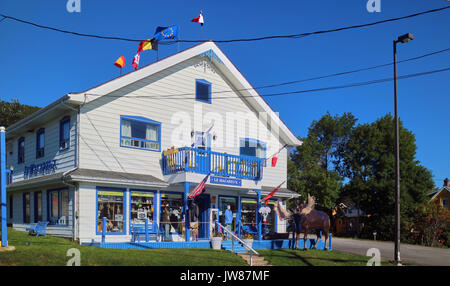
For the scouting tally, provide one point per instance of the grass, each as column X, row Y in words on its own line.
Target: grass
column 52, row 251
column 290, row 257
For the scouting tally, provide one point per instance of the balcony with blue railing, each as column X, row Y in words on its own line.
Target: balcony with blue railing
column 187, row 159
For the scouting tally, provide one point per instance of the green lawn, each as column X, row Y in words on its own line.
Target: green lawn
column 290, row 257
column 50, row 250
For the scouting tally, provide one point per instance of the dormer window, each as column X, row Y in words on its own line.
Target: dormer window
column 40, row 143
column 64, row 133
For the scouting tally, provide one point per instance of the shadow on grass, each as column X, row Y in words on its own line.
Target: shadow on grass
column 309, row 260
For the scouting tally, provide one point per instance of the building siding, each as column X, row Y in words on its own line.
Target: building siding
column 100, row 120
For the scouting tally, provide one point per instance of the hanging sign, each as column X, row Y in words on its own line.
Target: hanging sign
column 225, row 181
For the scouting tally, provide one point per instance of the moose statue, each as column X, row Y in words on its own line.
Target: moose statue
column 306, row 218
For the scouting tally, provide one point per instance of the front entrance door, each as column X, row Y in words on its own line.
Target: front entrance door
column 204, row 204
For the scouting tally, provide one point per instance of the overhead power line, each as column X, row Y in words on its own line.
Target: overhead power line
column 292, row 36
column 364, row 83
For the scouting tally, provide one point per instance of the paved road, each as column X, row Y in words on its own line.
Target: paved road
column 414, row 254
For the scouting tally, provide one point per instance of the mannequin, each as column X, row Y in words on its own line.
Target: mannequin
column 228, row 219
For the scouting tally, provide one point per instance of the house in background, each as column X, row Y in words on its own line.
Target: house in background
column 441, row 196
column 126, row 149
column 347, row 219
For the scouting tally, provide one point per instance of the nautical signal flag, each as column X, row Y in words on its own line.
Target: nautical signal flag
column 120, row 63
column 149, row 44
column 135, row 63
column 199, row 19
column 166, row 33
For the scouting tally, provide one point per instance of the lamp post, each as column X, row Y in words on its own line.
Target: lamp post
column 402, row 39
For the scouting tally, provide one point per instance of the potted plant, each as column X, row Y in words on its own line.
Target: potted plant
column 248, row 239
column 216, row 240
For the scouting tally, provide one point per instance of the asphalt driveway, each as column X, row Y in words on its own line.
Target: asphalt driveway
column 413, row 254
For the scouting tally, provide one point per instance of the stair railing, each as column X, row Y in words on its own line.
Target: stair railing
column 249, row 248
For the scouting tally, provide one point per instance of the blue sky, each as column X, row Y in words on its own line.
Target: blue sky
column 39, row 66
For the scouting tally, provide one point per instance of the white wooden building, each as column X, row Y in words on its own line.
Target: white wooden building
column 125, row 148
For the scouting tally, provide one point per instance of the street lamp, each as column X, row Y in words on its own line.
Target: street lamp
column 402, row 39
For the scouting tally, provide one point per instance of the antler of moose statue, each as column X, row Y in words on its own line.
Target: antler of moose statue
column 306, row 218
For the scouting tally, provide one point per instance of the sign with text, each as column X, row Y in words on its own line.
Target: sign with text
column 225, row 181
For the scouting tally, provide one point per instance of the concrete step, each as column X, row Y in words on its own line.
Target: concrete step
column 257, row 260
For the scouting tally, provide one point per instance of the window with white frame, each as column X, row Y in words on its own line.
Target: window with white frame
column 139, row 132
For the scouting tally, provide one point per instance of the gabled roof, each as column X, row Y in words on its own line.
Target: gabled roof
column 439, row 191
column 221, row 62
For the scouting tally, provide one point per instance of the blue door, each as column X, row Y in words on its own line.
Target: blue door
column 204, row 204
column 202, row 142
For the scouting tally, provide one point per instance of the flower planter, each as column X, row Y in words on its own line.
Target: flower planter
column 216, row 242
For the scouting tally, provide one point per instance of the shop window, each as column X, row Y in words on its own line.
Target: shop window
column 58, row 206
column 37, row 206
column 26, row 208
column 203, row 90
column 110, row 204
column 140, row 132
column 270, row 225
column 64, row 133
column 172, row 212
column 223, row 203
column 248, row 212
column 142, row 207
column 21, row 151
column 40, row 143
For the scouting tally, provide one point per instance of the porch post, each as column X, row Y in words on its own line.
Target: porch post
column 258, row 216
column 3, row 185
column 238, row 218
column 186, row 211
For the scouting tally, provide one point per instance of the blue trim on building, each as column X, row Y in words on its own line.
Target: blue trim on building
column 141, row 120
column 209, row 85
column 124, row 210
column 40, row 152
column 154, row 204
column 64, row 141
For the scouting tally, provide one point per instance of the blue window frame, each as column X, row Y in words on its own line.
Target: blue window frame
column 40, row 143
column 37, row 206
column 21, row 150
column 203, row 90
column 142, row 205
column 26, row 207
column 140, row 133
column 253, row 147
column 64, row 133
column 176, row 202
column 110, row 203
column 58, row 206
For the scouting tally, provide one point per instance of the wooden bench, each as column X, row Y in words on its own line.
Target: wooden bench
column 138, row 232
column 38, row 228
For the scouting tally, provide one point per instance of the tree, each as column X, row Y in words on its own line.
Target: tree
column 430, row 224
column 368, row 162
column 316, row 166
column 12, row 112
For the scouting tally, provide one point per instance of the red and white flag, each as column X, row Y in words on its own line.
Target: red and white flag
column 135, row 63
column 199, row 19
column 198, row 190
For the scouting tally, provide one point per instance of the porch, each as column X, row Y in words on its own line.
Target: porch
column 188, row 159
